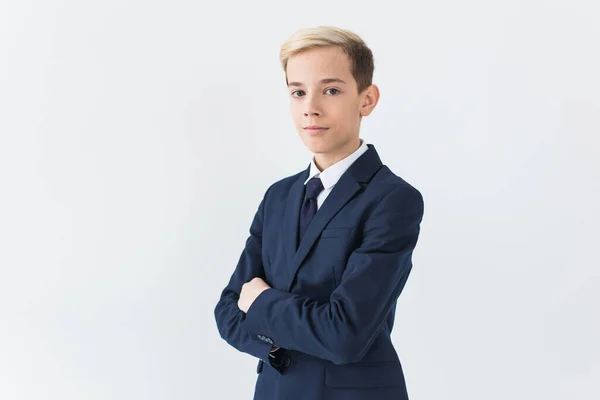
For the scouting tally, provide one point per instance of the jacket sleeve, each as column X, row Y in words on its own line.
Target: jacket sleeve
column 342, row 329
column 229, row 318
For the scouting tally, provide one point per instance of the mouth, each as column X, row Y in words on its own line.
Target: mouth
column 315, row 129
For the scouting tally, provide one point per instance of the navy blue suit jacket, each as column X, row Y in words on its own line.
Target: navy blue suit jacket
column 332, row 300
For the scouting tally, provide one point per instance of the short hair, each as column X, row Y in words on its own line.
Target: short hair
column 360, row 55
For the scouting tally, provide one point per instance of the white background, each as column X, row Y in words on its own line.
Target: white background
column 138, row 137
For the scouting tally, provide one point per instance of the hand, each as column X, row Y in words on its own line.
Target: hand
column 250, row 291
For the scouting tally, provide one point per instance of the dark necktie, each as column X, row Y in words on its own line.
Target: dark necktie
column 309, row 207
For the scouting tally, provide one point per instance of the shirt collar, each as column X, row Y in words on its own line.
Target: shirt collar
column 331, row 175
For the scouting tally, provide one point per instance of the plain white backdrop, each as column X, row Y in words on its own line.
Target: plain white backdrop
column 138, row 137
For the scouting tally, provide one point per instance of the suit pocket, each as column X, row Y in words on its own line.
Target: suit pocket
column 336, row 232
column 364, row 375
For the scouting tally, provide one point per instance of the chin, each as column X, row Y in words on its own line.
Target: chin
column 317, row 145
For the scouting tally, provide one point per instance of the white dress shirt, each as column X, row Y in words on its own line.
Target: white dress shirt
column 331, row 175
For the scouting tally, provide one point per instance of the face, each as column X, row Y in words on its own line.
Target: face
column 323, row 93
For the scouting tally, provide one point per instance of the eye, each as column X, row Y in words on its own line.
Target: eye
column 337, row 91
column 296, row 91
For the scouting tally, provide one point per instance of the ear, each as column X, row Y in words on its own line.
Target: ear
column 369, row 100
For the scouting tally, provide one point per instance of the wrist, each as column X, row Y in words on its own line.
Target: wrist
column 274, row 348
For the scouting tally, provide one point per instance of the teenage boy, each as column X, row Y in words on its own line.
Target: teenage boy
column 314, row 293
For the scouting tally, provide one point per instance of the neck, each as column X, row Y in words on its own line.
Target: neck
column 326, row 160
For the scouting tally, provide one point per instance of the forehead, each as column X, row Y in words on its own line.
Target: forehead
column 309, row 66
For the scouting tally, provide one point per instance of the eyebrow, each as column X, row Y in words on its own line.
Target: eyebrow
column 322, row 81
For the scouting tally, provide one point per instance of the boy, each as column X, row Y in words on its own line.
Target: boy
column 314, row 293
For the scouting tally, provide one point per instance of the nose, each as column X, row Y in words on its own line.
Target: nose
column 309, row 113
column 312, row 107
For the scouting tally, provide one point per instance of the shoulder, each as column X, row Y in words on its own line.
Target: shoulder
column 282, row 186
column 390, row 188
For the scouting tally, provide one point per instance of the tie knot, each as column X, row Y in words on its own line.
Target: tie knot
column 313, row 187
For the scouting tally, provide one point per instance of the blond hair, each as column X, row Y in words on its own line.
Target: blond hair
column 361, row 57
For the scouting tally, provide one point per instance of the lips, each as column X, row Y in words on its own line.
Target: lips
column 315, row 129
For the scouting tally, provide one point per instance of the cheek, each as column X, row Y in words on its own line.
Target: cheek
column 350, row 116
column 295, row 116
column 296, row 112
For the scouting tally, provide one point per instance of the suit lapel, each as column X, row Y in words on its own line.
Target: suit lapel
column 350, row 183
